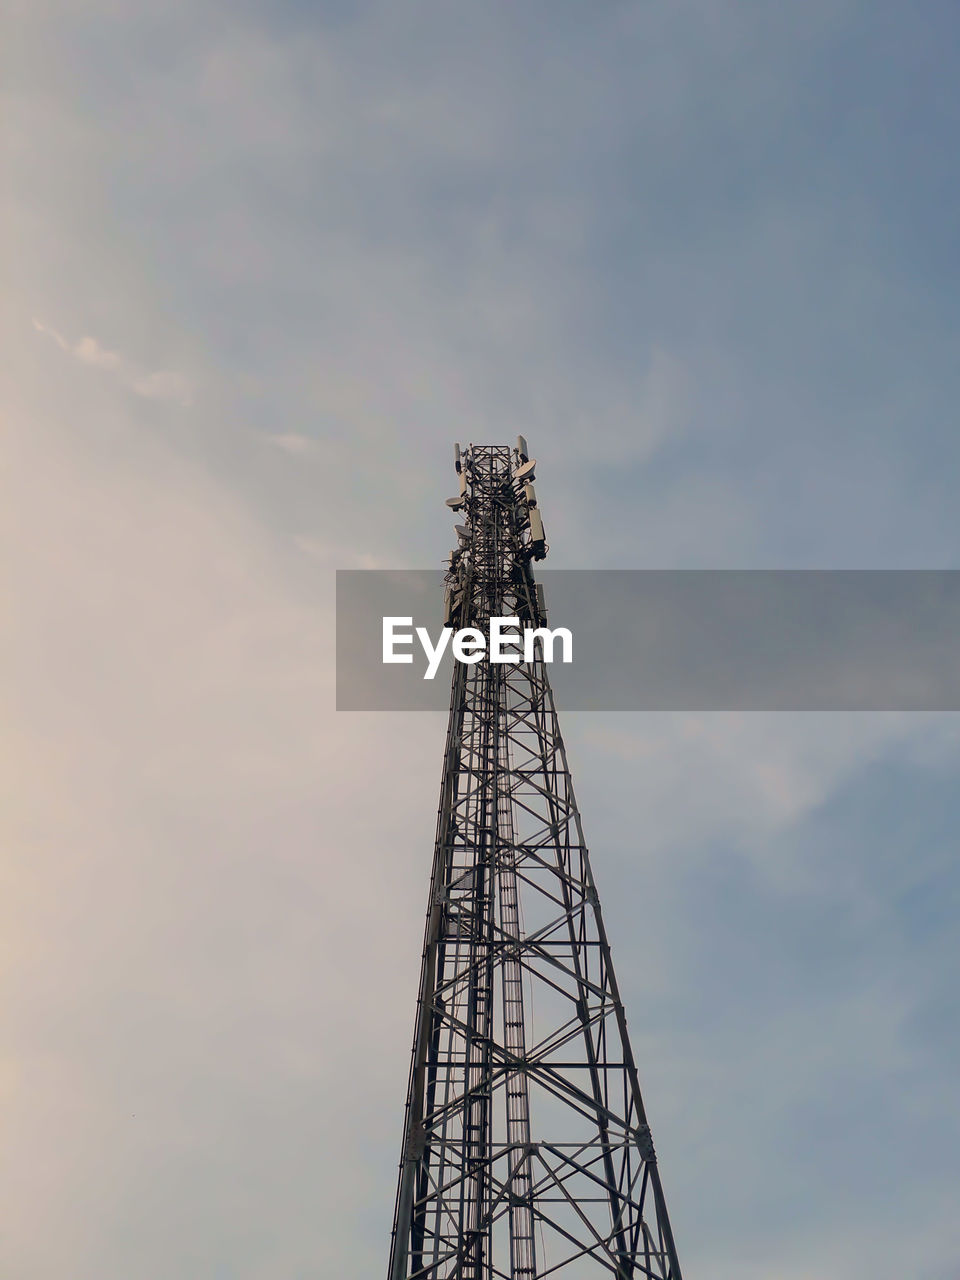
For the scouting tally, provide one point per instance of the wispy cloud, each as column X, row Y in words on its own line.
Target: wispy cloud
column 164, row 384
column 291, row 442
column 160, row 384
column 337, row 555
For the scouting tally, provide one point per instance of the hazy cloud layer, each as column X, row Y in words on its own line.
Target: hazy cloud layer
column 162, row 384
column 704, row 256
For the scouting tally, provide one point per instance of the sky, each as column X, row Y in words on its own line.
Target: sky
column 266, row 262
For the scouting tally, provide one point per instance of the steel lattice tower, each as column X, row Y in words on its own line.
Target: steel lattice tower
column 526, row 1149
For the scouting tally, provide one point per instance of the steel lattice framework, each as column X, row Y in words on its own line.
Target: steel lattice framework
column 526, row 1148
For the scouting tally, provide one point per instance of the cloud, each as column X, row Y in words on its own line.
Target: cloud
column 160, row 385
column 337, row 555
column 290, row 442
column 163, row 385
column 673, row 246
column 173, row 677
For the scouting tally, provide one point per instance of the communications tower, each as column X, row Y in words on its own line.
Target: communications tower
column 526, row 1149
